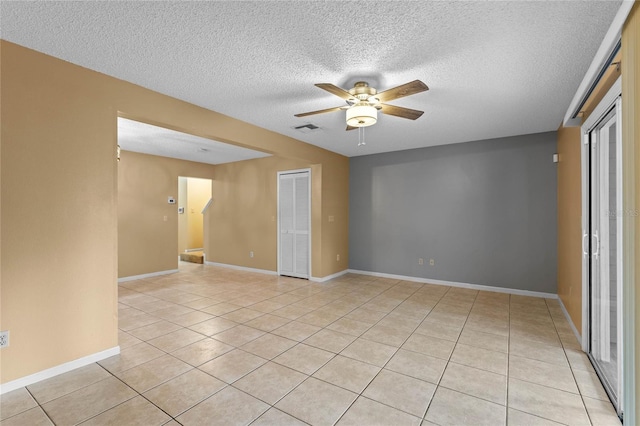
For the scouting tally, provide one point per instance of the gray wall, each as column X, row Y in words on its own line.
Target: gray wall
column 485, row 211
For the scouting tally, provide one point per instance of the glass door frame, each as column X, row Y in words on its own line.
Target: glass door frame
column 611, row 102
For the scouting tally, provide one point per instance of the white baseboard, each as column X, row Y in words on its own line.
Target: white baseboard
column 265, row 271
column 328, row 277
column 149, row 275
column 59, row 369
column 461, row 285
column 241, row 268
column 568, row 317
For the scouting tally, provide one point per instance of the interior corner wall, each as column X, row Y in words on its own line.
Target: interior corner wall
column 243, row 214
column 485, row 211
column 59, row 218
column 59, row 188
column 146, row 242
column 335, row 218
column 570, row 222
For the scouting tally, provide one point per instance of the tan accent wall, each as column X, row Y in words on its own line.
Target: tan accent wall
column 183, row 219
column 335, row 218
column 243, row 214
column 570, row 223
column 631, row 167
column 146, row 241
column 198, row 194
column 59, row 218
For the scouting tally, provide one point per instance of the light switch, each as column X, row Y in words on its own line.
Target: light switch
column 331, row 218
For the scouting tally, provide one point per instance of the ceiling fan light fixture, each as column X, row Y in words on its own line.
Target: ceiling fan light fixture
column 362, row 115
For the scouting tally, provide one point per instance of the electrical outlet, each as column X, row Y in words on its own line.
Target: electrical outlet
column 4, row 339
column 337, row 258
column 420, row 261
column 432, row 262
column 250, row 254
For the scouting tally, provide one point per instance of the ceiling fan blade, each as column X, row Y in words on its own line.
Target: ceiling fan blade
column 321, row 111
column 409, row 113
column 335, row 90
column 407, row 89
column 350, row 127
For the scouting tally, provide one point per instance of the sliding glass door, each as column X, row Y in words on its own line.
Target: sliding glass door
column 603, row 247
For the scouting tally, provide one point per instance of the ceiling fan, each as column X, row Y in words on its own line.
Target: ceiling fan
column 364, row 102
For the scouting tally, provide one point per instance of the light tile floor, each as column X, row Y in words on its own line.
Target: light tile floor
column 210, row 346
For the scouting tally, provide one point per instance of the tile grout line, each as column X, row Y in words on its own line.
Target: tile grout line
column 390, row 358
column 343, row 316
column 138, row 394
column 322, row 328
column 336, row 354
column 570, row 366
column 39, row 406
column 353, row 292
column 424, row 416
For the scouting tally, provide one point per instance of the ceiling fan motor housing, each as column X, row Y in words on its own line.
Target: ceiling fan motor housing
column 362, row 91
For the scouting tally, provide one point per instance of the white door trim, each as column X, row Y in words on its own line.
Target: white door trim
column 292, row 172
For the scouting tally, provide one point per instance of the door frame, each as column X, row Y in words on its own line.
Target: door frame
column 291, row 172
column 611, row 101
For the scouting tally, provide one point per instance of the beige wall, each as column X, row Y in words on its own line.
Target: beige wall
column 631, row 166
column 335, row 235
column 59, row 298
column 570, row 222
column 59, row 189
column 146, row 242
column 183, row 222
column 198, row 194
column 243, row 214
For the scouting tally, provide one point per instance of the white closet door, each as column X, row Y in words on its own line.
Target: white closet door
column 294, row 223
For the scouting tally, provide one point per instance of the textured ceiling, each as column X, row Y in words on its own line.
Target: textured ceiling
column 494, row 68
column 147, row 139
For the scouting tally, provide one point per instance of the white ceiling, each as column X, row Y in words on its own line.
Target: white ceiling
column 494, row 68
column 147, row 139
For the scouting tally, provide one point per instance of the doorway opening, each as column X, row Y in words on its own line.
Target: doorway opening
column 194, row 195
